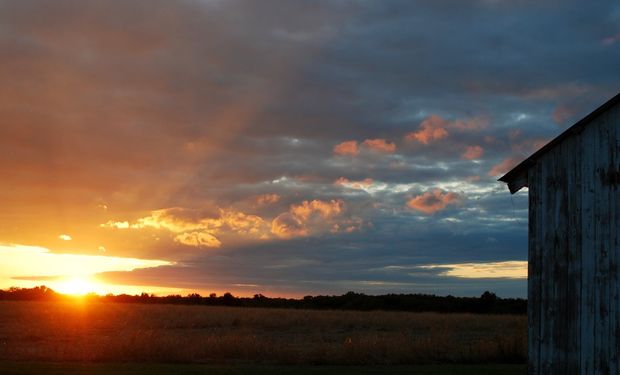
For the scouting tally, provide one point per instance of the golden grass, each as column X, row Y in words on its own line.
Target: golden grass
column 90, row 331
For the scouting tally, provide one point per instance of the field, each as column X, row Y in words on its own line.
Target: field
column 88, row 332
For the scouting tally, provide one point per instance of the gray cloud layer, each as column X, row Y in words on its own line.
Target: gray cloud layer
column 205, row 105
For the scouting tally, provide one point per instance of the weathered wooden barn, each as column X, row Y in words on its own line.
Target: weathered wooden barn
column 574, row 247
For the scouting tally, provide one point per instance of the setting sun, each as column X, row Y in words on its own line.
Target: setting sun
column 78, row 286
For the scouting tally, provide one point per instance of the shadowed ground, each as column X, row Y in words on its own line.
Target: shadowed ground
column 15, row 368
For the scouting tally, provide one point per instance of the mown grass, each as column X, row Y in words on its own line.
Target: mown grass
column 108, row 332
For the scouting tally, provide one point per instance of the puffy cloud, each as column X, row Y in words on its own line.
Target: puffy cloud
column 323, row 209
column 287, row 225
column 431, row 202
column 431, row 129
column 172, row 219
column 241, row 223
column 314, row 218
column 504, row 166
column 65, row 237
column 199, row 228
column 346, row 148
column 473, row 152
column 380, row 145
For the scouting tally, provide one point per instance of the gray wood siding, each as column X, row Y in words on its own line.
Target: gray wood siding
column 574, row 286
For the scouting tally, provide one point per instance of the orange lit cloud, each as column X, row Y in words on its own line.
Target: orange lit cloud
column 198, row 239
column 380, row 145
column 434, row 128
column 503, row 167
column 473, row 153
column 433, row 201
column 431, row 129
column 314, row 217
column 323, row 209
column 196, row 228
column 346, row 148
column 287, row 225
column 359, row 185
column 472, row 124
column 266, row 199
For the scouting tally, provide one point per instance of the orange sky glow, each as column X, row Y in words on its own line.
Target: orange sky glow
column 283, row 148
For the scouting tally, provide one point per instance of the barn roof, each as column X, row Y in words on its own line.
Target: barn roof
column 517, row 177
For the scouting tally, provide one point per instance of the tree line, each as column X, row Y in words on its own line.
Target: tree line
column 487, row 303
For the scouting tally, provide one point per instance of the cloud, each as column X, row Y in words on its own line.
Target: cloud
column 346, row 148
column 315, row 217
column 431, row 202
column 317, row 208
column 562, row 113
column 38, row 265
column 473, row 153
column 65, row 237
column 197, row 239
column 287, row 225
column 358, row 185
column 431, row 129
column 504, row 166
column 489, row 270
column 267, row 199
column 197, row 103
column 377, row 145
column 434, row 128
column 115, row 224
column 199, row 228
column 380, row 145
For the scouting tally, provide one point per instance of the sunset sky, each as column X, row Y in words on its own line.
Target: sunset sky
column 284, row 147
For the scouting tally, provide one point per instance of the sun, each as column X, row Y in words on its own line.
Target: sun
column 78, row 286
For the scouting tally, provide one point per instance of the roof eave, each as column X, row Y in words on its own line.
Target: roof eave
column 516, row 178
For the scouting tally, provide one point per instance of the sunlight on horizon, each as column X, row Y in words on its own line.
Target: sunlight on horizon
column 78, row 286
column 488, row 270
column 72, row 274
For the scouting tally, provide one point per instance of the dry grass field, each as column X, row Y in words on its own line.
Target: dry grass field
column 110, row 332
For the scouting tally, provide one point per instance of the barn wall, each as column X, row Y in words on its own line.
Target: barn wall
column 573, row 289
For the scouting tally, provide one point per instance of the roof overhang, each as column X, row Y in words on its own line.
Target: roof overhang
column 516, row 178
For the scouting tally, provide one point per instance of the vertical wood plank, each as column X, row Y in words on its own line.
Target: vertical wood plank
column 614, row 207
column 572, row 295
column 547, row 303
column 587, row 305
column 558, row 163
column 600, row 134
column 534, row 273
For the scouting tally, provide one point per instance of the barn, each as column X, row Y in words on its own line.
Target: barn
column 574, row 247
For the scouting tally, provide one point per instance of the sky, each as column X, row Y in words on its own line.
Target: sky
column 286, row 148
